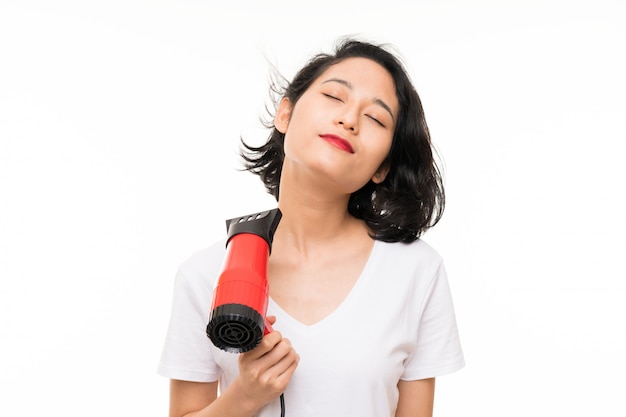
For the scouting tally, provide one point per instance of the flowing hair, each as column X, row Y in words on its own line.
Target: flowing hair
column 411, row 199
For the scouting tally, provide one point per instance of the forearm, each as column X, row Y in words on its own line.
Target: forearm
column 232, row 403
column 416, row 398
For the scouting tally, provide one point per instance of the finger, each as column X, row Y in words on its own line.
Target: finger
column 283, row 371
column 279, row 358
column 267, row 344
column 263, row 360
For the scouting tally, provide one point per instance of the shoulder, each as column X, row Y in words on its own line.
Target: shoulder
column 417, row 253
column 202, row 266
column 412, row 267
column 417, row 246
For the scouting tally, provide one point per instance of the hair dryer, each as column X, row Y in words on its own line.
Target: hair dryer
column 237, row 319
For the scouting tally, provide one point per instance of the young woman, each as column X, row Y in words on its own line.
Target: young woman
column 361, row 306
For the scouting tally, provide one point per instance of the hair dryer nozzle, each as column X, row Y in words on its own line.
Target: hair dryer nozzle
column 235, row 328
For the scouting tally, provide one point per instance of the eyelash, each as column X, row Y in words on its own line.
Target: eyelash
column 332, row 97
column 375, row 120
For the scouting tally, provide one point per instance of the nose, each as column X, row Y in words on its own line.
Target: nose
column 349, row 120
column 348, row 125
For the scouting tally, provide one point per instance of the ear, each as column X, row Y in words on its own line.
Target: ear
column 381, row 174
column 283, row 114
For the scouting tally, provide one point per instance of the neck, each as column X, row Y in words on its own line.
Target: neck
column 313, row 217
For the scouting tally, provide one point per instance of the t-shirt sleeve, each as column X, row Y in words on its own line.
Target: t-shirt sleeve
column 187, row 353
column 438, row 350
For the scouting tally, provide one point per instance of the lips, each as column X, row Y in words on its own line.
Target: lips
column 338, row 142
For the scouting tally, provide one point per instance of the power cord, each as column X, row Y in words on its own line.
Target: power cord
column 282, row 405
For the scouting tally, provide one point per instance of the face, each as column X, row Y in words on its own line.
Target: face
column 341, row 128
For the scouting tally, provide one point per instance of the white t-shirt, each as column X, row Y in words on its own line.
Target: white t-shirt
column 396, row 323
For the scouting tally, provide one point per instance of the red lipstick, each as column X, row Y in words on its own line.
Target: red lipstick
column 338, row 142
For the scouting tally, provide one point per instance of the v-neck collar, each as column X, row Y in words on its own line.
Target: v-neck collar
column 364, row 277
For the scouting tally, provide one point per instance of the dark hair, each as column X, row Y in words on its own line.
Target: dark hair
column 411, row 199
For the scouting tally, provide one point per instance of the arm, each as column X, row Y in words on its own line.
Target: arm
column 186, row 396
column 198, row 399
column 265, row 372
column 416, row 398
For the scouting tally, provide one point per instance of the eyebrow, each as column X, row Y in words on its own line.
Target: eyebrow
column 376, row 100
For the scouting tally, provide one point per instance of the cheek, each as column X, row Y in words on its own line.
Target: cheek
column 302, row 131
column 382, row 149
column 382, row 155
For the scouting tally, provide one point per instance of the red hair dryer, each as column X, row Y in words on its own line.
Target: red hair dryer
column 237, row 319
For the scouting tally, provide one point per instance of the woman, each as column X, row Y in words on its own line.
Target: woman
column 364, row 320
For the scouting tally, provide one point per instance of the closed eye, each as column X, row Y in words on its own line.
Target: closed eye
column 376, row 121
column 332, row 97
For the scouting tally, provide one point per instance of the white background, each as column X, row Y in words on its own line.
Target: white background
column 119, row 126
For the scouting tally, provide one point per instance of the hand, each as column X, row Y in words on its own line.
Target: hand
column 265, row 371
